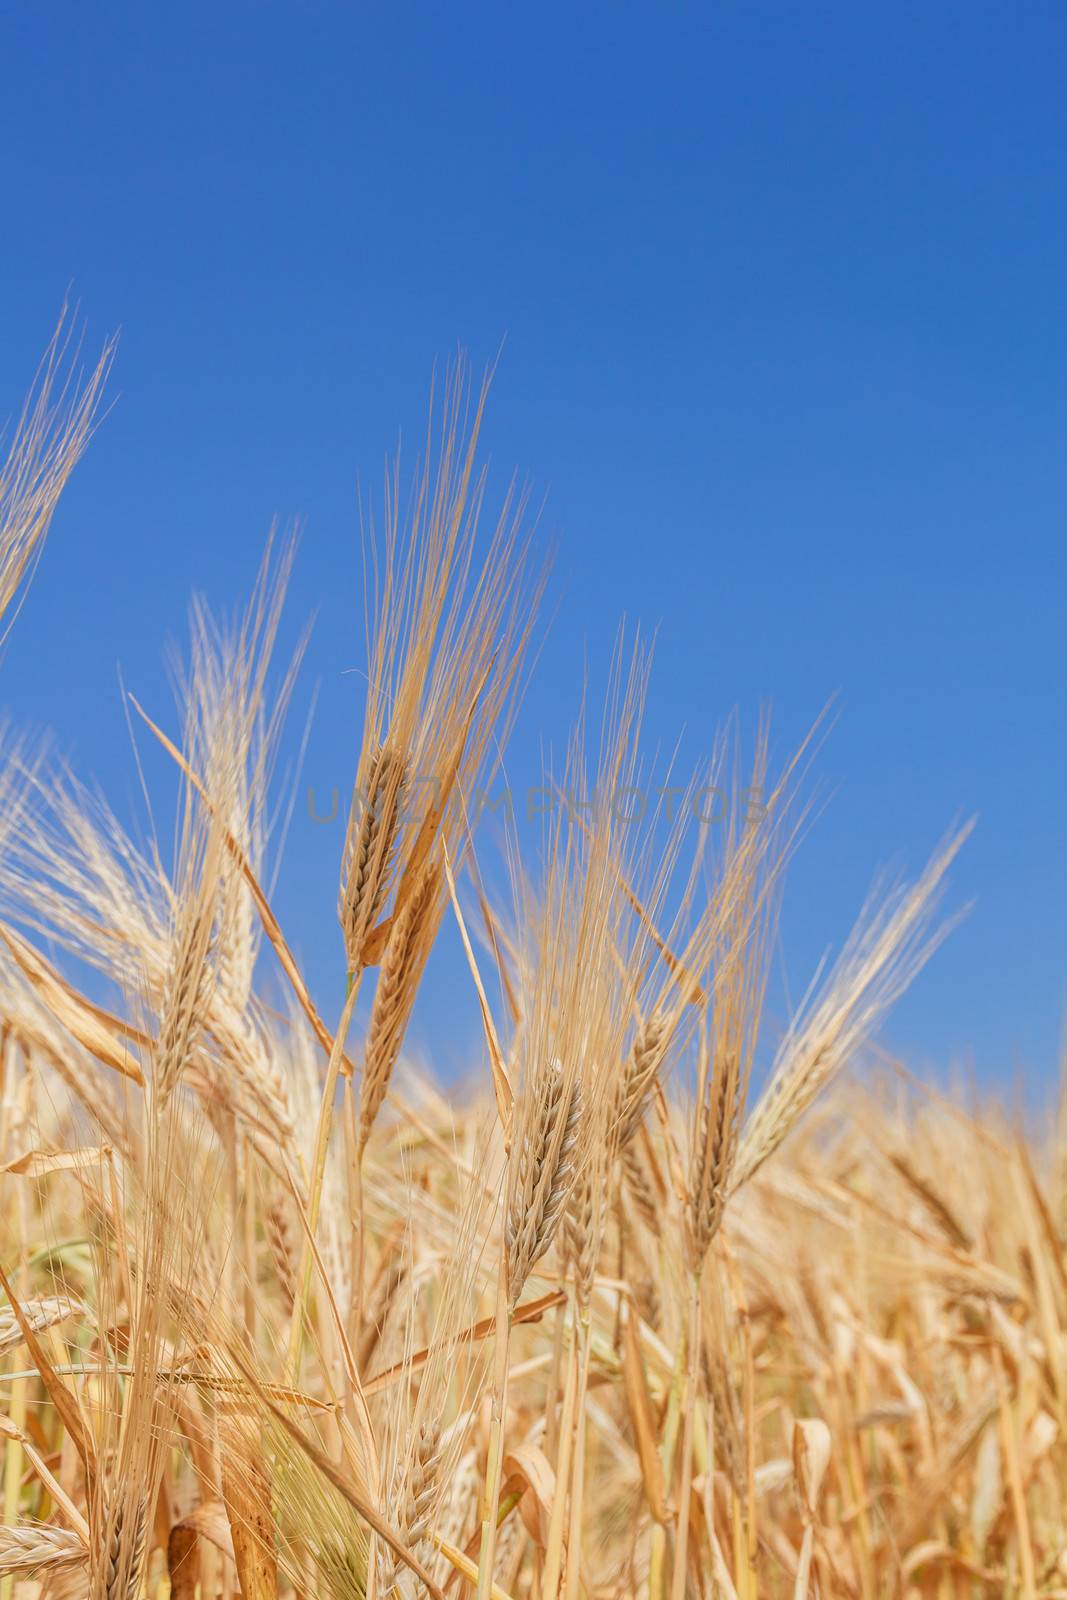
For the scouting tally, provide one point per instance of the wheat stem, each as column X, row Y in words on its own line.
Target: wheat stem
column 495, row 1457
column 681, row 1544
column 577, row 1475
column 318, row 1174
column 554, row 1542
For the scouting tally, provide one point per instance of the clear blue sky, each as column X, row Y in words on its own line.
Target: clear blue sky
column 784, row 292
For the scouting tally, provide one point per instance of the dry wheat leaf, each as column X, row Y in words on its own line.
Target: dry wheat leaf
column 92, row 1028
column 528, row 1468
column 35, row 1163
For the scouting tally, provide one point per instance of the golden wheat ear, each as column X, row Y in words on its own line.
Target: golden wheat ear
column 234, row 717
column 447, row 628
column 50, row 438
column 410, row 941
column 35, row 1549
column 889, row 945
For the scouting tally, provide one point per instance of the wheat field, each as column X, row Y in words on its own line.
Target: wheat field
column 665, row 1301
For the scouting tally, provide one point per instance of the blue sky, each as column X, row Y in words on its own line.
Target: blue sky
column 783, row 292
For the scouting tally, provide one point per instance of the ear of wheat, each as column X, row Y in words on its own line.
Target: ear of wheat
column 544, row 1164
column 52, row 433
column 410, row 941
